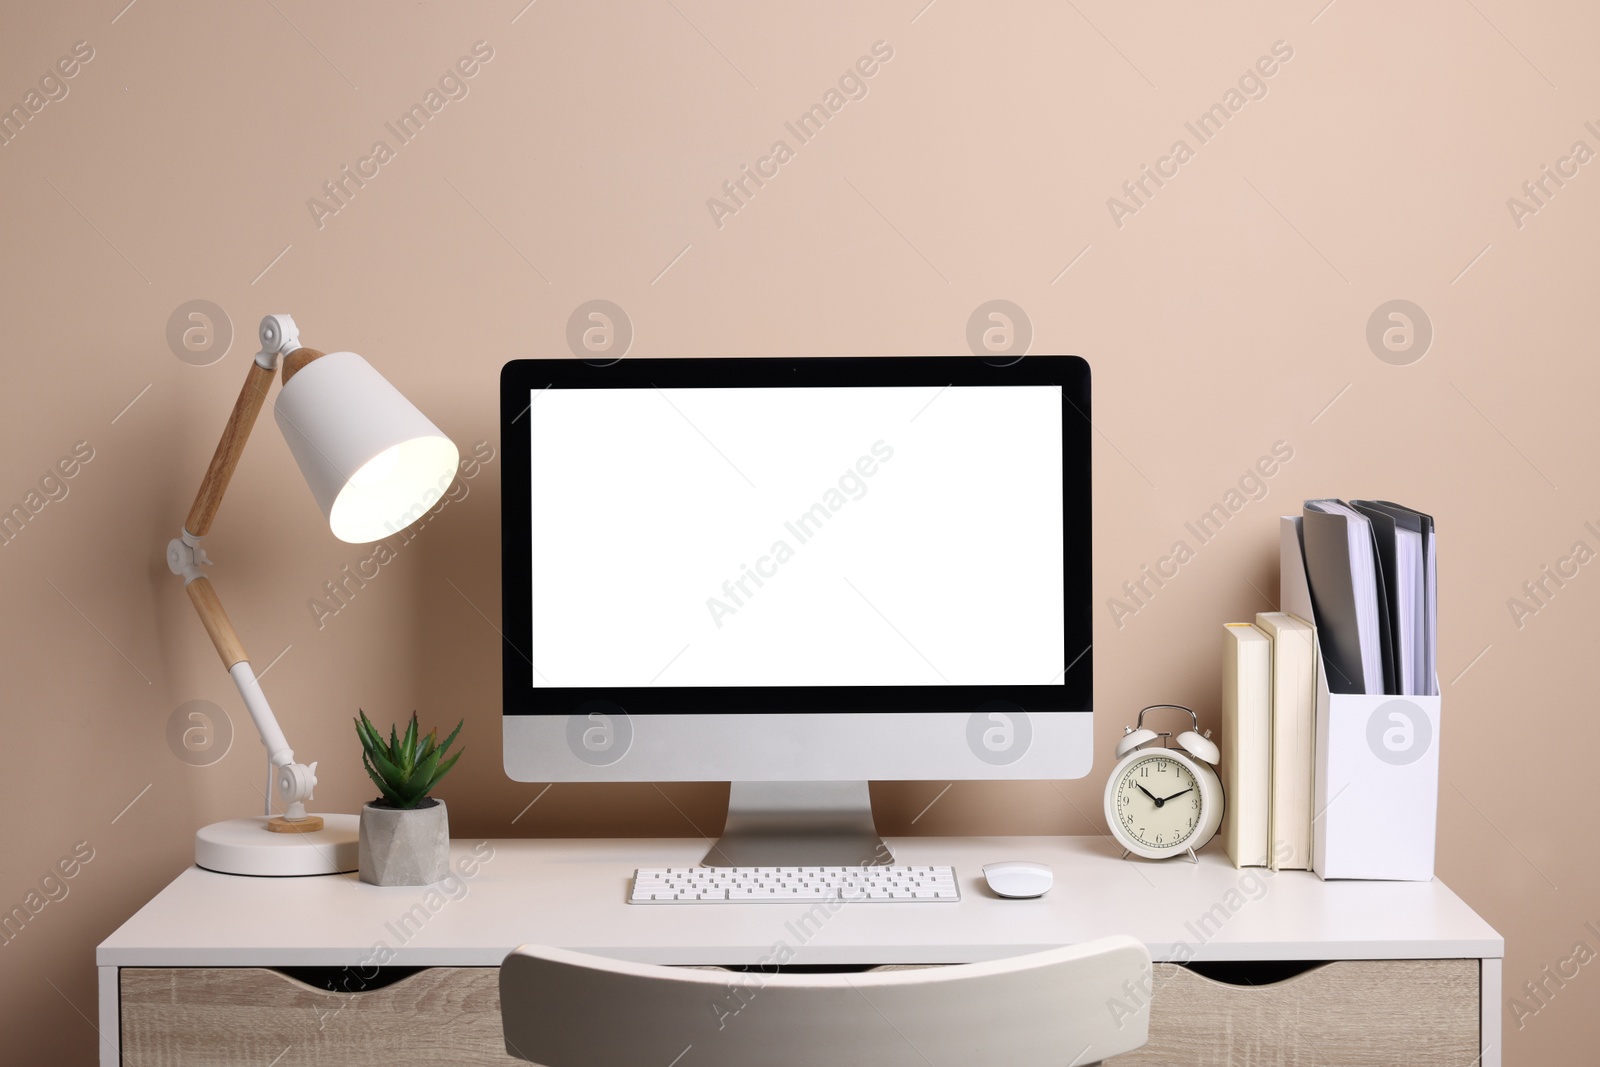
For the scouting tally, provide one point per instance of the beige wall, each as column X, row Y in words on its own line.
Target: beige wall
column 1225, row 314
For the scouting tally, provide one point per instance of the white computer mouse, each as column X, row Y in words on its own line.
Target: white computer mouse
column 1018, row 879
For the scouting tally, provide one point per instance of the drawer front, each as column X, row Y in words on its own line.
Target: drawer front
column 1352, row 1013
column 226, row 1016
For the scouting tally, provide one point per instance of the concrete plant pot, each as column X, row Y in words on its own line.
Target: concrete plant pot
column 404, row 846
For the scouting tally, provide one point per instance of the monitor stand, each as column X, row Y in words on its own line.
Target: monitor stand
column 799, row 824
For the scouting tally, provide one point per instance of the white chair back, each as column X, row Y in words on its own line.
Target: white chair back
column 1067, row 1006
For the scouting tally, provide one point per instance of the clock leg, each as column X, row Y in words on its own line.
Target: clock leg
column 1192, row 857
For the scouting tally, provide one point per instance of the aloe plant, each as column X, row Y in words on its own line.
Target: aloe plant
column 406, row 768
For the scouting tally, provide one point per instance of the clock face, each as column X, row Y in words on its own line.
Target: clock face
column 1157, row 802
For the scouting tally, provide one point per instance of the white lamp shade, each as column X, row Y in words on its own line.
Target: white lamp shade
column 373, row 461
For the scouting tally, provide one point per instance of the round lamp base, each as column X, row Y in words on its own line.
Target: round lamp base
column 247, row 846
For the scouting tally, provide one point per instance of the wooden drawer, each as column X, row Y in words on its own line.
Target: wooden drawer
column 1351, row 1013
column 216, row 1016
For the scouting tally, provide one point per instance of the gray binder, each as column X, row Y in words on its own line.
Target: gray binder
column 1347, row 594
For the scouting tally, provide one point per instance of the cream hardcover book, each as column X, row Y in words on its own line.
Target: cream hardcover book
column 1246, row 743
column 1294, row 705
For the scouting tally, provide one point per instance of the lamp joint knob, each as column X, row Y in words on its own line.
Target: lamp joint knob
column 278, row 335
column 185, row 560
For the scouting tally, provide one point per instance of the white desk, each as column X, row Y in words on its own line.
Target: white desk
column 573, row 893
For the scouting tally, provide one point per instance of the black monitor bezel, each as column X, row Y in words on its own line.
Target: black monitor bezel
column 519, row 379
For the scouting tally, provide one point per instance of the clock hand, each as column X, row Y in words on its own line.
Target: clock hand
column 1175, row 796
column 1149, row 794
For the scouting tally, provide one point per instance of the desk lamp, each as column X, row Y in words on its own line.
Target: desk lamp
column 375, row 465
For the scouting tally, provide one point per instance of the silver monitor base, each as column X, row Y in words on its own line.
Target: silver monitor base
column 799, row 824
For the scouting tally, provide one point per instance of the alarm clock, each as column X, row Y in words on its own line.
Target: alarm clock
column 1160, row 801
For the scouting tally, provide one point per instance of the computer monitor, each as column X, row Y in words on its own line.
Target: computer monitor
column 797, row 575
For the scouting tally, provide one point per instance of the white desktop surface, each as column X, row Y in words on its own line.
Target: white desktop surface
column 573, row 894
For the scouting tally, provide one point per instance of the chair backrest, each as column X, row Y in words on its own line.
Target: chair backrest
column 1074, row 1005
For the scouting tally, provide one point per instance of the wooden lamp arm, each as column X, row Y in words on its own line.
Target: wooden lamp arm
column 234, row 435
column 223, row 636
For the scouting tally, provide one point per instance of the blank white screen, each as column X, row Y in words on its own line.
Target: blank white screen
column 932, row 555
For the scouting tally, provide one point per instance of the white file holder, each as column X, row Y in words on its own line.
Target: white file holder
column 1376, row 792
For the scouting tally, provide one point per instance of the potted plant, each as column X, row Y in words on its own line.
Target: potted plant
column 405, row 833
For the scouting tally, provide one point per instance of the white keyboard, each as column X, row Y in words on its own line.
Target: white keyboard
column 782, row 885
